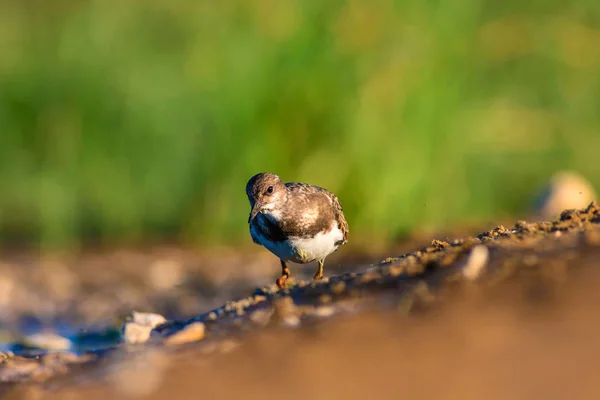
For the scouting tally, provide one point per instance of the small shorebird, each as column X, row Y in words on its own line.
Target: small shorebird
column 297, row 222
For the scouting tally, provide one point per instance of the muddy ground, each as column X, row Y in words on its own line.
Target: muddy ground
column 509, row 313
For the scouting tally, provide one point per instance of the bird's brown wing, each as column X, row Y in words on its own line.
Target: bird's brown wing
column 321, row 197
column 339, row 216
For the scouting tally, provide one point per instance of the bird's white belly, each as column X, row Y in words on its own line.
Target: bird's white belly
column 303, row 250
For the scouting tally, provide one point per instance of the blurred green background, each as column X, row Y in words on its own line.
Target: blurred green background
column 132, row 120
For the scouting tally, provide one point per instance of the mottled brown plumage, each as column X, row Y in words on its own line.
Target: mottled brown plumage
column 296, row 221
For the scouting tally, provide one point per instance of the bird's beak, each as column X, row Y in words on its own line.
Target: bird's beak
column 255, row 211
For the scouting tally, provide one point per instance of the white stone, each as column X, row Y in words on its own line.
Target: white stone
column 47, row 341
column 139, row 327
column 476, row 262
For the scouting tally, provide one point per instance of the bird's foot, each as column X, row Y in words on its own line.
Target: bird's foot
column 282, row 282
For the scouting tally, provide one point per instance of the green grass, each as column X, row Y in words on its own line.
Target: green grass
column 129, row 120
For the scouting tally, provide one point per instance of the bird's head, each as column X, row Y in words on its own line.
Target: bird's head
column 264, row 190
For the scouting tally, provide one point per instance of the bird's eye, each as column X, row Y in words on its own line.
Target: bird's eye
column 270, row 189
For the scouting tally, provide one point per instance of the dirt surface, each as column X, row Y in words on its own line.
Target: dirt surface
column 510, row 313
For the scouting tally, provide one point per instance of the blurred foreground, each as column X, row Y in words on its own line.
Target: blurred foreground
column 507, row 314
column 499, row 349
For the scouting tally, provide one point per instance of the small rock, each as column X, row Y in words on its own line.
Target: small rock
column 245, row 303
column 211, row 316
column 476, row 262
column 47, row 341
column 439, row 244
column 134, row 333
column 191, row 333
column 259, row 298
column 147, row 319
column 139, row 327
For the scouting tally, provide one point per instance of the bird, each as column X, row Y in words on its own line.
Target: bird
column 297, row 222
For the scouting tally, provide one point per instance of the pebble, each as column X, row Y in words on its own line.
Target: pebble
column 243, row 303
column 134, row 333
column 139, row 328
column 259, row 298
column 191, row 333
column 47, row 341
column 476, row 262
column 211, row 316
column 147, row 319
